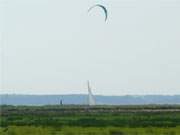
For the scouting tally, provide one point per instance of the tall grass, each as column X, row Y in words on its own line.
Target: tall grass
column 32, row 130
column 78, row 120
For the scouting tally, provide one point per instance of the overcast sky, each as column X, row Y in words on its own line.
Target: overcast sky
column 55, row 46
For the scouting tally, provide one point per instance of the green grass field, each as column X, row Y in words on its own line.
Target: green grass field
column 32, row 130
column 84, row 120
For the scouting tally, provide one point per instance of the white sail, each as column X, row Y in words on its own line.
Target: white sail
column 91, row 99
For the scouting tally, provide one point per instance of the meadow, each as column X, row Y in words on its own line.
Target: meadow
column 85, row 120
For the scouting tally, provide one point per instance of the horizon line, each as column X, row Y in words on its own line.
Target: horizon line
column 27, row 94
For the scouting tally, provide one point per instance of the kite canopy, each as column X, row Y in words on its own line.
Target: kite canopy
column 102, row 7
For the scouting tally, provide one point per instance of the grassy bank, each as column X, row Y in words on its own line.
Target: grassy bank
column 103, row 116
column 83, row 120
column 32, row 130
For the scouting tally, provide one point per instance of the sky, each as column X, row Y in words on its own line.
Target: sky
column 55, row 46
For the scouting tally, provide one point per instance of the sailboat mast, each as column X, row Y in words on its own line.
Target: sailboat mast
column 91, row 99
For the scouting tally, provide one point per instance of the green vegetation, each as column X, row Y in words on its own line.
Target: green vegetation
column 84, row 120
column 32, row 130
